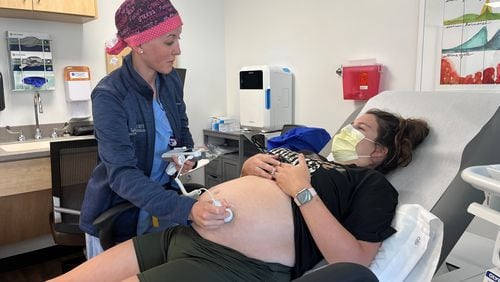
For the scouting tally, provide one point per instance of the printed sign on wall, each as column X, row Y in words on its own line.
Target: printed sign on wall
column 470, row 53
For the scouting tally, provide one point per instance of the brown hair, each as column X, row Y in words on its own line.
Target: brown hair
column 400, row 136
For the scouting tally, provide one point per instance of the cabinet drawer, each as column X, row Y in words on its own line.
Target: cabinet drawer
column 211, row 181
column 214, row 167
column 230, row 169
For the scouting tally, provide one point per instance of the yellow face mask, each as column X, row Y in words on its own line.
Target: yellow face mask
column 345, row 142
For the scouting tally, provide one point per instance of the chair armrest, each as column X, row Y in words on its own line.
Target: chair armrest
column 106, row 221
column 485, row 213
column 67, row 211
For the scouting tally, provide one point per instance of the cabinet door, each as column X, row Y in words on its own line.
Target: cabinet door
column 72, row 7
column 211, row 180
column 17, row 4
column 214, row 167
column 230, row 169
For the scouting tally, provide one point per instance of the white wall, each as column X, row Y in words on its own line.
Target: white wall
column 67, row 50
column 313, row 38
column 203, row 56
column 202, row 48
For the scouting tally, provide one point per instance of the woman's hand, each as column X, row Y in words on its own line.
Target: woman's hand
column 208, row 216
column 293, row 178
column 262, row 165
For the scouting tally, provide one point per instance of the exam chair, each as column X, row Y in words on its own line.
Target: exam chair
column 465, row 127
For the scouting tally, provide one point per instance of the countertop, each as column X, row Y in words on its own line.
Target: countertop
column 30, row 149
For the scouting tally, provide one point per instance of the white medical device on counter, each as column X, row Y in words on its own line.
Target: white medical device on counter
column 266, row 98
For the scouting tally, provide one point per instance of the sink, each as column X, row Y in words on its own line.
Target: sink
column 35, row 145
column 26, row 146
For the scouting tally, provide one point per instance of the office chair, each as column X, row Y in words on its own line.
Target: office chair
column 288, row 127
column 72, row 162
column 106, row 220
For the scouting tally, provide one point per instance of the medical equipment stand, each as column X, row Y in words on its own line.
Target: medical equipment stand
column 480, row 178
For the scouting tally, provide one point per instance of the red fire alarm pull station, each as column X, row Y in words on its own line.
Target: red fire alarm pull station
column 361, row 82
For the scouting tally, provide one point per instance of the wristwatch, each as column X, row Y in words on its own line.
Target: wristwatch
column 304, row 196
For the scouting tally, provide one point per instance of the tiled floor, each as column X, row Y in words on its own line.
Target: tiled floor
column 40, row 265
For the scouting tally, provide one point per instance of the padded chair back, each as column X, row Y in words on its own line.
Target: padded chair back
column 288, row 127
column 72, row 162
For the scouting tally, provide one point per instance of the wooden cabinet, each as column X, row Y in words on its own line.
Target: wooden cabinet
column 17, row 4
column 25, row 199
column 73, row 7
column 78, row 11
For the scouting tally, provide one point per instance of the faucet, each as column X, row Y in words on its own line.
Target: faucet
column 37, row 102
column 54, row 131
column 21, row 136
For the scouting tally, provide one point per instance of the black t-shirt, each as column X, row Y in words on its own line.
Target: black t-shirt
column 362, row 200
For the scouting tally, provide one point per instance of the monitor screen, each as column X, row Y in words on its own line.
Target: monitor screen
column 251, row 79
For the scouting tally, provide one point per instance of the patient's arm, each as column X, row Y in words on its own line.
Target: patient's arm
column 334, row 241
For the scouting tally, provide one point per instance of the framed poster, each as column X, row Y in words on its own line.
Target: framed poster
column 459, row 45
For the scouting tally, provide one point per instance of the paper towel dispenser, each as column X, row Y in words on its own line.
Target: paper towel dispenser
column 77, row 83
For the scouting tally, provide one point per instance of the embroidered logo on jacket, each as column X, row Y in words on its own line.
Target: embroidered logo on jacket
column 139, row 128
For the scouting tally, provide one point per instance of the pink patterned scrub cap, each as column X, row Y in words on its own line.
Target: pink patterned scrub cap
column 140, row 21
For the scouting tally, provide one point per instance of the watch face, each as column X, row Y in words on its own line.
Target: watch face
column 304, row 196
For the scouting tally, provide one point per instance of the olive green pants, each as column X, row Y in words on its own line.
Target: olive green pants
column 180, row 254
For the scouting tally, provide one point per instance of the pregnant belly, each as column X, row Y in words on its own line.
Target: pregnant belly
column 262, row 227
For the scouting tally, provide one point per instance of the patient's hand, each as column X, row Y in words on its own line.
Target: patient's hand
column 206, row 215
column 262, row 165
column 293, row 178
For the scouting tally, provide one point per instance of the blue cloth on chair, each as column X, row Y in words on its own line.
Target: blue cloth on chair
column 301, row 138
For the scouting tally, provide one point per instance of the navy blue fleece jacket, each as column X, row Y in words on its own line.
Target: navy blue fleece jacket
column 125, row 131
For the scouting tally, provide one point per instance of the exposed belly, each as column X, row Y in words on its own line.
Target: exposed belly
column 262, row 227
